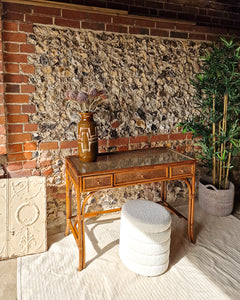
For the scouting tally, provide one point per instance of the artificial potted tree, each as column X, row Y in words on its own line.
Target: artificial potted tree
column 217, row 124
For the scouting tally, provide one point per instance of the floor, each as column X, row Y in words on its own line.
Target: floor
column 8, row 268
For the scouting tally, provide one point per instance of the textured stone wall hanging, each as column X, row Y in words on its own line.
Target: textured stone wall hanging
column 22, row 216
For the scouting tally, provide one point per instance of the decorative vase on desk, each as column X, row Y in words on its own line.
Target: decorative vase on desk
column 87, row 138
column 87, row 130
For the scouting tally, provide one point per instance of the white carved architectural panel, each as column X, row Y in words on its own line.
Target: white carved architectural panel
column 3, row 218
column 26, row 216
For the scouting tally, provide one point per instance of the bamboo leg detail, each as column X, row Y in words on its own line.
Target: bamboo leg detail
column 191, row 195
column 164, row 191
column 81, row 229
column 68, row 203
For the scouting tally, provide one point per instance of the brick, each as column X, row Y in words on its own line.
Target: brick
column 159, row 138
column 28, row 109
column 177, row 136
column 15, row 148
column 216, row 13
column 26, row 27
column 185, row 27
column 142, row 31
column 14, row 166
column 2, row 110
column 48, row 171
column 2, row 120
column 21, row 173
column 18, row 7
column 19, row 138
column 189, row 135
column 133, row 10
column 27, row 48
column 16, row 98
column 12, row 88
column 19, row 156
column 13, row 16
column 157, row 32
column 10, row 26
column 138, row 139
column 195, row 36
column 2, row 139
column 167, row 14
column 68, row 144
column 166, row 25
column 48, row 146
column 144, row 23
column 123, row 20
column 74, row 14
column 118, row 142
column 213, row 38
column 52, row 11
column 15, row 128
column 17, row 119
column 29, row 69
column 99, row 18
column 102, row 143
column 30, row 127
column 31, row 146
column 180, row 35
column 170, row 6
column 14, row 78
column 2, row 130
column 14, row 37
column 27, row 88
column 31, row 164
column 93, row 26
column 116, row 28
column 67, row 23
column 14, row 109
column 39, row 19
column 17, row 58
column 61, row 196
column 122, row 148
column 46, row 163
column 186, row 16
column 3, row 150
column 12, row 68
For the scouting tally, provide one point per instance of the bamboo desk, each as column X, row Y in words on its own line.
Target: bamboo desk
column 118, row 169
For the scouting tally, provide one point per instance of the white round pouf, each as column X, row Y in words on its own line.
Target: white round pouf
column 145, row 232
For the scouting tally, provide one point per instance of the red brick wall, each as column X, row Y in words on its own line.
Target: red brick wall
column 3, row 149
column 209, row 13
column 18, row 21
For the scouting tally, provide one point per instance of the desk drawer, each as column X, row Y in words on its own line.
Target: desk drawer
column 97, row 182
column 181, row 170
column 140, row 176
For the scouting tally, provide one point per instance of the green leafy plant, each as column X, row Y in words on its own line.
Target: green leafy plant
column 217, row 101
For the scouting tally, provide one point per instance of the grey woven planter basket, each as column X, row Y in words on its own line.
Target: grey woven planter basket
column 213, row 201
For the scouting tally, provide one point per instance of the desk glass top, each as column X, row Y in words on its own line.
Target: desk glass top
column 128, row 159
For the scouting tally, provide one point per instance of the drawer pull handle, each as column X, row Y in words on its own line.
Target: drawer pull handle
column 98, row 182
column 142, row 176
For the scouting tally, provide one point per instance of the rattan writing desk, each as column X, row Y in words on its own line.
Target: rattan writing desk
column 118, row 169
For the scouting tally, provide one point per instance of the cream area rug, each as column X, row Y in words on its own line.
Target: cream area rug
column 209, row 269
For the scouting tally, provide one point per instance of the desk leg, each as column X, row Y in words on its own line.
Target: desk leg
column 191, row 211
column 81, row 229
column 68, row 203
column 164, row 191
column 191, row 199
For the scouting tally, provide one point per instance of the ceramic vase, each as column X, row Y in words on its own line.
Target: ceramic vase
column 87, row 138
